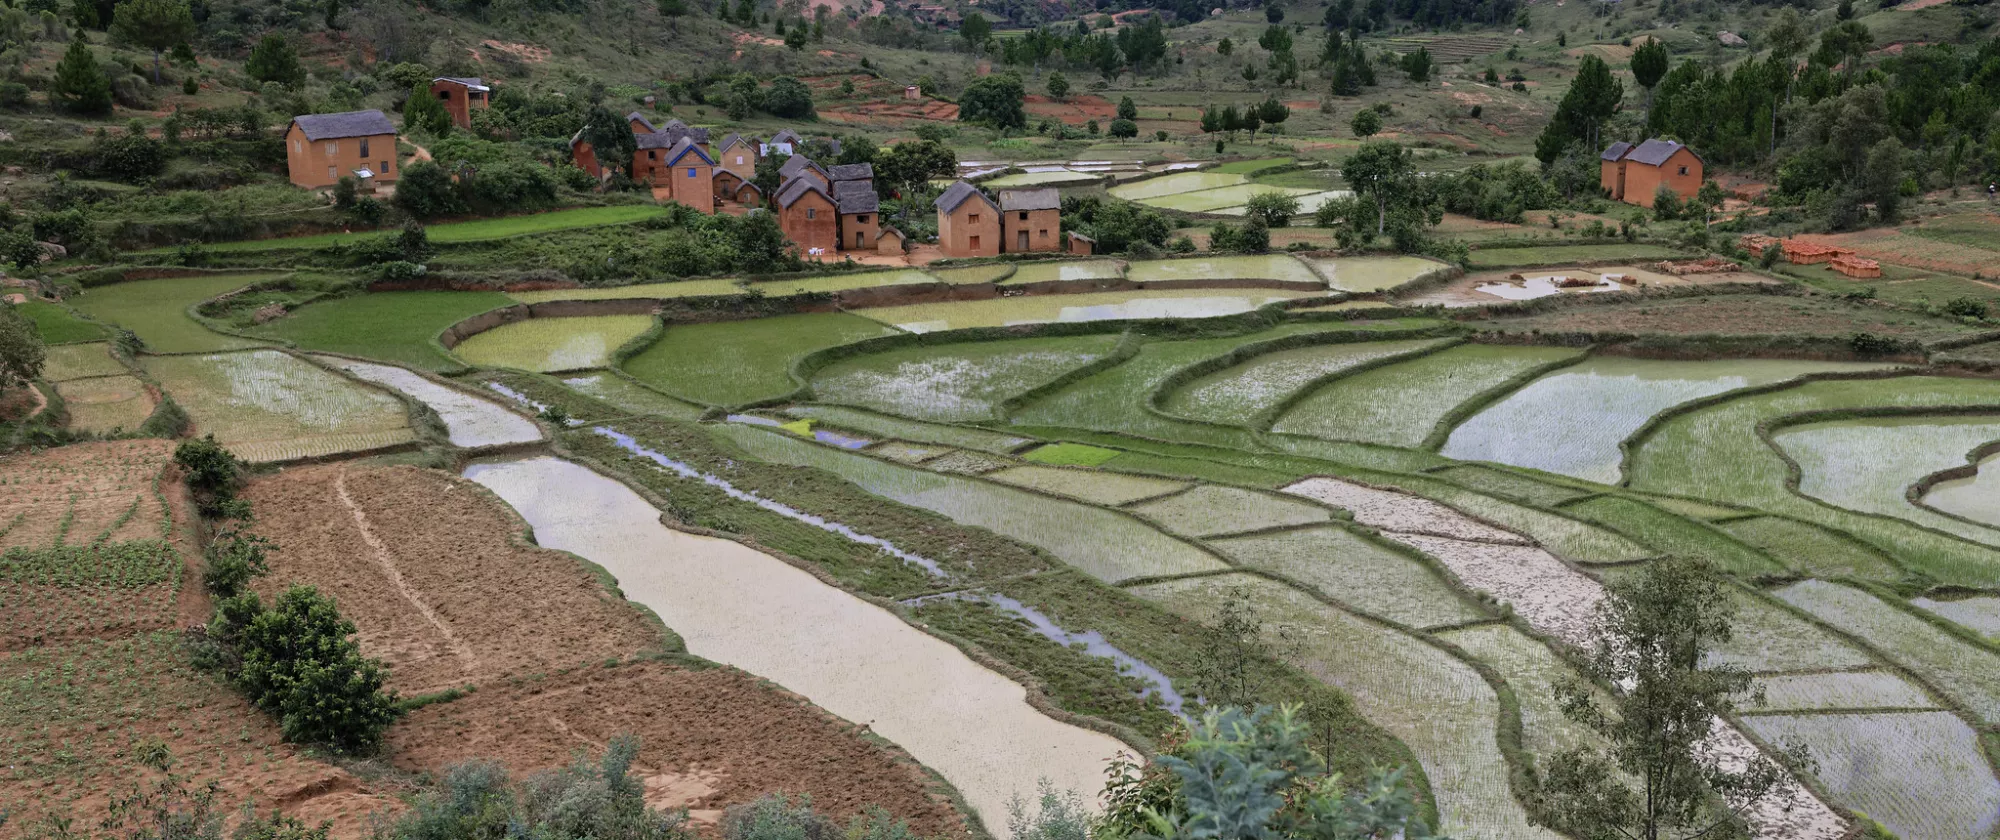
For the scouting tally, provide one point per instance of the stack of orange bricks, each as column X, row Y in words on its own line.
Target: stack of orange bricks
column 1810, row 253
column 1711, row 265
column 1854, row 266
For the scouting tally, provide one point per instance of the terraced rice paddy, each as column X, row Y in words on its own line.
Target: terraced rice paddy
column 1533, row 671
column 1571, row 421
column 938, row 433
column 1672, row 535
column 840, row 282
column 76, row 361
column 268, row 406
column 1839, row 690
column 737, row 362
column 1215, row 190
column 1976, row 498
column 1247, row 394
column 1812, row 549
column 973, row 274
column 1869, row 464
column 674, row 289
column 955, row 382
column 1179, row 182
column 396, row 327
column 1261, row 266
column 632, row 397
column 158, row 310
column 1968, row 674
column 470, row 421
column 1044, row 179
column 1980, row 614
column 1362, row 575
column 106, row 404
column 545, row 345
column 1087, row 485
column 1373, row 274
column 1208, row 510
column 1089, row 306
column 1402, row 404
column 1919, row 774
column 1768, row 639
column 1066, row 272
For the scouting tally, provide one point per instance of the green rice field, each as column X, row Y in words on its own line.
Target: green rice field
column 76, row 361
column 1869, row 464
column 268, row 406
column 1402, row 404
column 1210, row 510
column 1967, row 673
column 1089, row 306
column 1362, row 575
column 396, row 327
column 674, row 289
column 57, row 325
column 553, row 344
column 106, row 404
column 1066, row 272
column 157, row 310
column 1247, row 393
column 737, row 362
column 473, row 231
column 1372, row 274
column 839, row 282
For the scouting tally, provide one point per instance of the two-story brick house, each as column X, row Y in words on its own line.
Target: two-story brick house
column 461, row 96
column 320, row 149
column 1635, row 174
column 968, row 222
column 1031, row 220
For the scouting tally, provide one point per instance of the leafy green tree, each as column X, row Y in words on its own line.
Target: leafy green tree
column 1127, row 109
column 157, row 25
column 1276, row 209
column 1123, row 128
column 1274, row 112
column 298, row 660
column 1649, row 65
column 332, row 15
column 1058, row 85
column 797, row 38
column 1882, row 178
column 975, row 29
column 274, row 60
column 1710, row 198
column 1366, row 123
column 995, row 100
column 768, row 178
column 762, row 246
column 1211, row 120
column 610, row 138
column 1591, row 99
column 1845, row 44
column 21, row 353
column 1654, row 634
column 80, row 84
column 908, row 166
column 234, row 557
column 789, row 98
column 426, row 192
column 423, row 112
column 1405, row 205
column 672, row 8
column 1418, row 65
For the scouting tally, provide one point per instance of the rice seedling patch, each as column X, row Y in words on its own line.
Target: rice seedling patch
column 1920, row 774
column 1436, row 704
column 1179, row 182
column 638, row 399
column 1838, row 690
column 76, row 361
column 1533, row 671
column 1402, row 404
column 1812, row 549
column 1071, row 308
column 1349, row 569
column 1199, row 469
column 1070, row 454
column 1257, row 266
column 955, row 382
column 1510, row 485
column 470, row 421
column 964, row 437
column 268, row 406
column 1207, row 201
column 396, row 327
column 962, row 462
column 57, row 325
column 1980, row 613
column 907, row 453
column 1246, row 393
column 1066, row 272
column 1976, row 497
column 973, row 274
column 1570, row 421
column 1668, row 534
column 1969, row 675
column 1208, row 510
column 737, row 362
column 1064, row 178
column 672, row 289
column 1106, row 545
column 544, row 345
column 840, row 282
column 1569, row 254
column 1715, row 453
column 1768, row 639
column 1103, row 488
column 1869, row 464
column 1372, row 274
column 157, row 310
column 1729, row 315
column 105, row 404
column 478, row 230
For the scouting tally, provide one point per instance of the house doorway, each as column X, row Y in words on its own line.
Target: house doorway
column 1021, row 240
column 860, row 240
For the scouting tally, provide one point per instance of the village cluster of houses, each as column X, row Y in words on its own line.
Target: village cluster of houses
column 825, row 210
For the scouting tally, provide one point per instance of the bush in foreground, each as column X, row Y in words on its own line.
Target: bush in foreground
column 297, row 660
column 598, row 801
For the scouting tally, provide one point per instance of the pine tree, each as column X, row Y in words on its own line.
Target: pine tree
column 155, row 24
column 1127, row 109
column 80, row 85
column 274, row 60
column 423, row 112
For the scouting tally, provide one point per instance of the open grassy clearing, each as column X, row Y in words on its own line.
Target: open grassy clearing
column 1373, row 274
column 1838, row 690
column 1667, row 534
column 1811, row 549
column 1920, row 774
column 268, row 406
column 1367, row 577
column 673, row 289
column 1566, row 254
column 1571, row 421
column 1868, row 464
column 1533, row 671
column 1209, row 510
column 1967, row 674
column 76, row 361
column 1066, row 272
column 625, row 394
column 545, row 345
column 1436, row 704
column 157, row 310
column 1245, row 394
column 1107, row 545
column 1101, row 488
column 1260, row 266
column 478, row 230
column 106, row 404
column 955, row 382
column 912, row 430
column 396, row 327
column 1402, row 404
column 1980, row 614
column 57, row 325
column 1715, row 453
column 736, row 362
column 1088, row 306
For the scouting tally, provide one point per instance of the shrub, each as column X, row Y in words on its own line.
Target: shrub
column 234, row 557
column 297, row 660
column 426, row 192
column 597, row 800
column 1124, row 128
column 210, row 471
column 13, row 96
column 399, row 271
column 1966, row 307
column 1275, row 209
column 1870, row 344
column 778, row 817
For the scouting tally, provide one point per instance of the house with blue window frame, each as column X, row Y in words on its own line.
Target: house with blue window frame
column 683, row 173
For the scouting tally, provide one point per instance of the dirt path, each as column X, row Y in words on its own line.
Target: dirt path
column 382, row 557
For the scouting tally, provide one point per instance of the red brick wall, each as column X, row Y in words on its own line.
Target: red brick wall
column 585, row 159
column 1607, row 176
column 973, row 230
column 821, row 230
column 1043, row 227
column 307, row 161
column 857, row 234
column 459, row 101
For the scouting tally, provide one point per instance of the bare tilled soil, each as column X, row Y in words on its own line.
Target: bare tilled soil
column 436, row 576
column 81, row 492
column 708, row 739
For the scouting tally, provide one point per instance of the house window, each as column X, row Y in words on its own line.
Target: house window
column 331, row 147
column 812, row 213
column 652, row 155
column 690, row 172
column 297, row 146
column 332, row 173
column 739, row 160
column 861, row 219
column 1024, row 215
column 972, row 218
column 384, row 168
column 1045, row 233
column 364, row 148
column 1684, row 170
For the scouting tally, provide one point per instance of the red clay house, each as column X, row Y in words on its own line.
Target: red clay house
column 809, row 217
column 1635, row 174
column 320, row 149
column 461, row 96
column 663, row 139
column 968, row 222
column 1031, row 220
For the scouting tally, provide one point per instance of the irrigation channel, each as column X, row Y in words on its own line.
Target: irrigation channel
column 741, row 607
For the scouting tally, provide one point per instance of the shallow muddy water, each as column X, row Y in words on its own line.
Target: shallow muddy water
column 744, row 608
column 1976, row 497
column 1868, row 464
column 470, row 421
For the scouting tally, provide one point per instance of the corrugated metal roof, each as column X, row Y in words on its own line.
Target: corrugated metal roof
column 473, row 82
column 347, row 124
